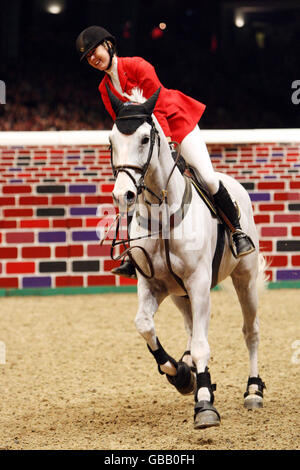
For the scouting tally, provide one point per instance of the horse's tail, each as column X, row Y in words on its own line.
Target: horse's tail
column 262, row 277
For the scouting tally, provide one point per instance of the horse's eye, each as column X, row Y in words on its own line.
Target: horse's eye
column 145, row 140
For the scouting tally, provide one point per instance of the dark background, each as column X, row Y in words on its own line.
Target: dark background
column 244, row 75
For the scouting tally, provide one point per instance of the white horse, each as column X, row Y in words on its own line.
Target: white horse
column 181, row 255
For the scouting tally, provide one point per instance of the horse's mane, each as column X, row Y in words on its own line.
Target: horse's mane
column 136, row 96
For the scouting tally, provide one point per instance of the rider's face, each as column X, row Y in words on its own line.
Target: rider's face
column 99, row 58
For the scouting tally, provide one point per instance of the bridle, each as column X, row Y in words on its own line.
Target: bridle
column 140, row 185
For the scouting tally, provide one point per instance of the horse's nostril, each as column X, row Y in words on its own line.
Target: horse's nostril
column 130, row 196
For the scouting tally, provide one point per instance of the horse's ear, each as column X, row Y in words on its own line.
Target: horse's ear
column 114, row 101
column 151, row 102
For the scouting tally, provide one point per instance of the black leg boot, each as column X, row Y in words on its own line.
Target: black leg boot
column 228, row 213
column 126, row 270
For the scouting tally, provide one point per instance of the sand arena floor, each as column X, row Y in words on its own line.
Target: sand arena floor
column 78, row 376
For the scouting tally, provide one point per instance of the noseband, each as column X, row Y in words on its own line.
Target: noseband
column 140, row 185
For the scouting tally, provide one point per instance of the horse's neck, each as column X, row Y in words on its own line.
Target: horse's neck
column 160, row 170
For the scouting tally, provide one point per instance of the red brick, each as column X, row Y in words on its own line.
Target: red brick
column 67, row 223
column 269, row 275
column 8, row 253
column 9, row 282
column 69, row 281
column 7, row 201
column 65, row 200
column 286, row 196
column 33, row 201
column 19, row 237
column 8, row 224
column 110, row 264
column 20, row 268
column 274, row 231
column 295, row 184
column 296, row 231
column 101, row 280
column 35, row 223
column 271, row 207
column 277, row 261
column 108, row 188
column 97, row 250
column 262, row 218
column 16, row 189
column 127, row 282
column 271, row 185
column 286, row 218
column 296, row 260
column 36, row 252
column 71, row 251
column 98, row 200
column 93, row 221
column 18, row 212
column 266, row 245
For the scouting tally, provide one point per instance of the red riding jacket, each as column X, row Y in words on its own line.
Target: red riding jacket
column 176, row 112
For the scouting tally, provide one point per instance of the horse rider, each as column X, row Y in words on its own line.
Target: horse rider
column 177, row 114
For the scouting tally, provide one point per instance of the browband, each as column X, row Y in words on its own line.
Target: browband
column 135, row 116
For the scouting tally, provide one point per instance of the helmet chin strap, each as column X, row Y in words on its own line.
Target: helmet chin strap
column 110, row 50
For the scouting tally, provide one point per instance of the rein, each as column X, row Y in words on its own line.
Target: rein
column 141, row 187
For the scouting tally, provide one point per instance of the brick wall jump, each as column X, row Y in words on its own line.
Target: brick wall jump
column 49, row 202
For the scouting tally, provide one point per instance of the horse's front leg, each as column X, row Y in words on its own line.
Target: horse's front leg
column 149, row 301
column 199, row 292
column 178, row 373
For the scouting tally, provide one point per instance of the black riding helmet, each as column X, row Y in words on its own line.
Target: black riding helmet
column 91, row 37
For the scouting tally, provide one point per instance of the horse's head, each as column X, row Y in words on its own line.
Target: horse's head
column 132, row 142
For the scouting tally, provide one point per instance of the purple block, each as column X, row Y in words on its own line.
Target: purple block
column 288, row 275
column 83, row 211
column 36, row 282
column 85, row 236
column 261, row 160
column 15, row 169
column 16, row 181
column 52, row 237
column 82, row 188
column 270, row 177
column 71, row 157
column 80, row 168
column 260, row 196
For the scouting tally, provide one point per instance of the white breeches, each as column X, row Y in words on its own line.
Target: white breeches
column 194, row 151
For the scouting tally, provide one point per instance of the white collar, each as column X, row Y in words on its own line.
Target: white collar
column 113, row 71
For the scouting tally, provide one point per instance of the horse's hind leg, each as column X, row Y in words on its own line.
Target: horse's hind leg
column 244, row 279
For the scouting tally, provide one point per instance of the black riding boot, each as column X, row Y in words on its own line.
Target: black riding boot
column 228, row 213
column 126, row 270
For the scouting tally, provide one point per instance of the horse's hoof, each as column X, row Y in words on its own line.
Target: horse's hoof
column 184, row 380
column 253, row 402
column 206, row 416
column 206, row 419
